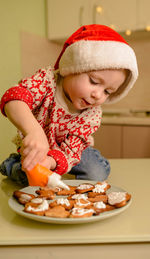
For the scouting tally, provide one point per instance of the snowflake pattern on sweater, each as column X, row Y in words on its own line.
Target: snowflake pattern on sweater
column 68, row 133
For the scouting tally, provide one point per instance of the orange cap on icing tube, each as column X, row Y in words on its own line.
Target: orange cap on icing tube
column 42, row 176
column 38, row 176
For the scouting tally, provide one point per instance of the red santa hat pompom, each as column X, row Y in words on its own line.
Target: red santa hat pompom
column 97, row 47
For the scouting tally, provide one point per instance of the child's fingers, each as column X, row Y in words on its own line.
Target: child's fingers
column 32, row 159
column 28, row 160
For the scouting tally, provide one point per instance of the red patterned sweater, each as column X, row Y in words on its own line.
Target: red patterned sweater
column 68, row 130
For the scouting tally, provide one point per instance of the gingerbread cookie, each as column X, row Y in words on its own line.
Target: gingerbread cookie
column 85, row 187
column 37, row 200
column 57, row 212
column 102, row 197
column 46, row 193
column 64, row 192
column 23, row 197
column 100, row 207
column 78, row 196
column 81, row 213
column 81, row 203
column 118, row 199
column 64, row 202
column 100, row 188
column 37, row 209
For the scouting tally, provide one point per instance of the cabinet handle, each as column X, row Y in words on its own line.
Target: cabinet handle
column 81, row 16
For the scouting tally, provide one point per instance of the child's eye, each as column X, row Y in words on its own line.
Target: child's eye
column 106, row 92
column 93, row 82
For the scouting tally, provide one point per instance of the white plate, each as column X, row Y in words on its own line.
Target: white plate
column 18, row 208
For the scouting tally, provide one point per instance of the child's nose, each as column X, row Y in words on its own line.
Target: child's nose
column 96, row 94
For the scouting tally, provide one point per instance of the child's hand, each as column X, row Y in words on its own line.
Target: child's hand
column 34, row 149
column 49, row 162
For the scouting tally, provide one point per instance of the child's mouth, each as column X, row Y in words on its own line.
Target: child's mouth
column 85, row 102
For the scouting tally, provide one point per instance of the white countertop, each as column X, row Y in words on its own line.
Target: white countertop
column 133, row 225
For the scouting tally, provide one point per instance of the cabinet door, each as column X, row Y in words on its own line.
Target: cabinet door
column 136, row 142
column 143, row 13
column 108, row 140
column 120, row 14
column 65, row 16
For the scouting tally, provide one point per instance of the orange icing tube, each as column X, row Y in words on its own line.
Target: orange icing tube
column 42, row 176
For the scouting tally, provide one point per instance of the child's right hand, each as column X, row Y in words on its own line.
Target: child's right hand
column 34, row 148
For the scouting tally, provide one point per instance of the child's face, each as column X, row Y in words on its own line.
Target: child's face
column 92, row 88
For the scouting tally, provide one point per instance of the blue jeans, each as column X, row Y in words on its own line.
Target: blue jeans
column 92, row 166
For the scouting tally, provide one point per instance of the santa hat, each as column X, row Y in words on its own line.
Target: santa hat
column 98, row 47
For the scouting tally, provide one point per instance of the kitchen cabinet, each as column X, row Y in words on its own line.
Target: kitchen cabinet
column 143, row 16
column 119, row 14
column 64, row 17
column 123, row 141
column 135, row 142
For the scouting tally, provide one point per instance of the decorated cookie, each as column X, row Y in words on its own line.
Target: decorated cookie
column 64, row 192
column 100, row 188
column 100, row 207
column 81, row 203
column 23, row 197
column 64, row 202
column 37, row 200
column 81, row 213
column 85, row 187
column 118, row 199
column 78, row 196
column 37, row 209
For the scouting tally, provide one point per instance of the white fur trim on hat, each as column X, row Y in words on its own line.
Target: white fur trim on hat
column 84, row 56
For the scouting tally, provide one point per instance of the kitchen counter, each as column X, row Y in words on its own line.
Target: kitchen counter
column 128, row 231
column 126, row 120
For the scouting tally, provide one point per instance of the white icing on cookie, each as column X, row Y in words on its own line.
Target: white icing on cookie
column 42, row 207
column 25, row 197
column 79, row 203
column 100, row 188
column 99, row 205
column 79, row 196
column 84, row 186
column 81, row 212
column 63, row 202
column 116, row 197
column 37, row 200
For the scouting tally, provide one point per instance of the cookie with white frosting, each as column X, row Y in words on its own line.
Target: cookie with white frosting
column 118, row 199
column 99, row 188
column 37, row 209
column 81, row 213
column 64, row 202
column 84, row 187
column 100, row 207
column 23, row 197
